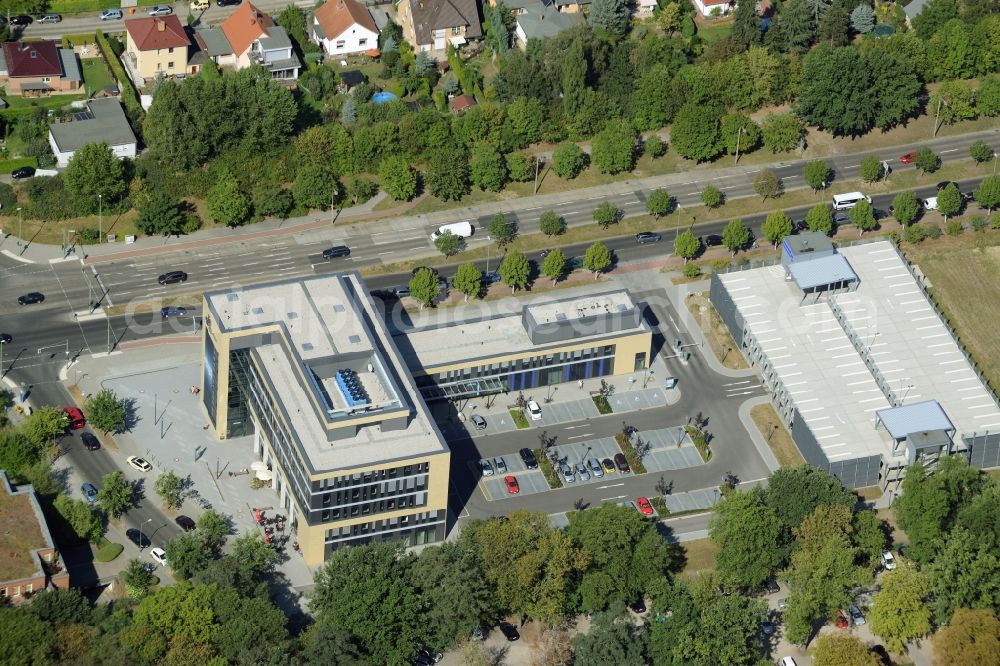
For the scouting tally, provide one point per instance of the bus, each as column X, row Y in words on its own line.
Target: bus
column 849, row 200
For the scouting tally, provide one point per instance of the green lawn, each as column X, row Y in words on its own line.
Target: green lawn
column 710, row 34
column 95, row 74
column 18, row 106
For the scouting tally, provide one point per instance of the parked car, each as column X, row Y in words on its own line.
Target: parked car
column 336, row 251
column 841, row 217
column 787, row 661
column 159, row 555
column 160, row 10
column 646, row 237
column 638, row 606
column 478, row 421
column 888, row 561
column 173, row 277
column 509, row 631
column 671, row 382
column 945, row 183
column 200, row 5
column 783, row 603
column 491, row 277
column 138, row 463
column 400, row 292
column 528, row 458
column 622, row 464
column 500, row 464
column 582, row 472
column 712, row 240
column 6, row 338
column 595, row 468
column 840, row 620
column 111, row 14
column 21, row 20
column 771, row 586
column 479, row 634
column 609, row 466
column 644, row 506
column 630, row 505
column 930, row 203
column 172, row 311
column 800, row 226
column 485, row 467
column 137, row 537
column 228, row 3
column 908, row 157
column 425, row 658
column 567, row 473
column 90, row 441
column 75, row 417
column 50, row 18
column 22, row 172
column 89, row 492
column 766, row 628
column 856, row 617
column 512, row 486
column 30, row 298
column 185, row 523
column 534, row 411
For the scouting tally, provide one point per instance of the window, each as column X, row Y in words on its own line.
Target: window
column 363, row 41
column 456, row 31
column 170, row 50
column 340, row 44
column 46, row 79
column 28, row 588
column 170, row 65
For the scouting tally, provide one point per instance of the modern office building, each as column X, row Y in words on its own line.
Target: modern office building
column 861, row 366
column 548, row 343
column 308, row 367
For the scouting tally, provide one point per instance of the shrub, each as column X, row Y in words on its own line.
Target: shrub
column 692, row 270
column 48, row 199
column 933, row 231
column 8, row 198
column 954, row 227
column 978, row 223
column 568, row 160
column 654, row 146
column 88, row 236
column 551, row 223
column 914, row 233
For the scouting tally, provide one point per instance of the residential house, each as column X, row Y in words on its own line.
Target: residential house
column 29, row 561
column 643, row 8
column 344, row 27
column 539, row 22
column 250, row 37
column 710, row 8
column 38, row 68
column 156, row 46
column 103, row 121
column 463, row 103
column 572, row 6
column 431, row 25
column 911, row 10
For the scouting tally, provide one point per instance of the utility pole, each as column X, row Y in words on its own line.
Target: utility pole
column 738, row 135
column 90, row 289
column 100, row 218
column 537, row 162
column 2, row 370
column 20, row 227
column 936, row 116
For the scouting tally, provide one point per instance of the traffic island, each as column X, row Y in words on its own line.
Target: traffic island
column 520, row 420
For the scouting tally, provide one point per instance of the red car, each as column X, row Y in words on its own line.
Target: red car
column 841, row 620
column 511, row 484
column 644, row 506
column 908, row 157
column 75, row 416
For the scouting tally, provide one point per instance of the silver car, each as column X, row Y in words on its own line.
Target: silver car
column 111, row 14
column 581, row 469
column 595, row 468
column 50, row 18
column 567, row 473
column 500, row 464
column 160, row 10
column 485, row 467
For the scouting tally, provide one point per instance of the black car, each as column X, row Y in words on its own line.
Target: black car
column 528, row 458
column 509, row 631
column 425, row 658
column 29, row 299
column 336, row 251
column 21, row 20
column 6, row 338
column 771, row 586
column 22, row 172
column 90, row 441
column 801, row 226
column 172, row 311
column 638, row 606
column 491, row 277
column 185, row 523
column 841, row 218
column 399, row 292
column 137, row 537
column 945, row 183
column 229, row 3
column 173, row 277
column 647, row 237
column 712, row 240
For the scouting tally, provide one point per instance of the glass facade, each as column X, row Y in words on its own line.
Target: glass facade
column 414, row 530
column 209, row 381
column 519, row 375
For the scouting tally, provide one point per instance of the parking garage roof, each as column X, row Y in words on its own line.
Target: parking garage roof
column 916, row 417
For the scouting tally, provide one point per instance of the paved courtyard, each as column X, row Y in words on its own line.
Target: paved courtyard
column 670, row 449
column 530, row 481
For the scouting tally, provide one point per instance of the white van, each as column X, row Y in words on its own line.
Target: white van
column 929, row 203
column 848, row 200
column 460, row 229
column 786, row 661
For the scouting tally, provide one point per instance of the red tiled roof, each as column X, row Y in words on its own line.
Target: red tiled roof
column 336, row 16
column 161, row 32
column 463, row 102
column 32, row 58
column 245, row 26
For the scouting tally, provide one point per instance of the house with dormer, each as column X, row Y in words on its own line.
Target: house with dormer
column 156, row 46
column 431, row 25
column 34, row 69
column 250, row 37
column 344, row 27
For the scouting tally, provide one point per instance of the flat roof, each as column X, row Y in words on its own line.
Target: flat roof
column 104, row 121
column 828, row 382
column 821, row 271
column 914, row 418
column 20, row 533
column 580, row 307
column 911, row 346
column 330, row 321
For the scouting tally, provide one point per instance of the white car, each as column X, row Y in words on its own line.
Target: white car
column 930, row 203
column 111, row 14
column 139, row 463
column 534, row 411
column 486, row 468
column 888, row 561
column 160, row 10
column 159, row 555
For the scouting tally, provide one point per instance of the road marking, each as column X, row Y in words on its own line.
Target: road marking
column 613, row 485
column 732, row 395
column 612, row 499
column 952, row 150
column 674, row 323
column 745, row 381
column 580, row 436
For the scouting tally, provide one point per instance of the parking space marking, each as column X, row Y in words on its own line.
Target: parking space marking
column 529, row 481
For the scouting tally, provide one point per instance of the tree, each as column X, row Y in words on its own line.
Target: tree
column 863, row 217
column 794, row 493
column 934, row 15
column 870, row 169
column 736, row 236
column 654, row 146
column 747, row 535
column 949, row 200
column 980, row 152
column 953, row 101
column 611, row 16
column 776, row 226
column 951, row 52
column 315, row 187
column 898, row 613
column 817, row 174
column 597, row 259
column 739, row 134
column 468, row 279
column 819, row 218
column 551, row 223
column 926, row 160
column 520, row 167
column 988, row 96
column 687, row 245
column 554, row 265
column 613, row 148
column 746, row 26
column 213, row 529
column 863, row 18
column 487, row 167
column 514, row 270
column 43, row 425
column 170, row 488
column 94, row 171
column 767, row 184
column 254, row 557
column 501, row 230
column 958, row 575
column 449, row 243
column 568, row 160
column 659, row 203
column 398, row 178
column 116, row 495
column 227, row 204
column 612, row 639
column 137, row 578
column 86, row 523
column 447, row 174
column 782, row 132
column 159, row 213
column 106, row 411
column 606, row 214
column 695, row 133
column 905, row 207
column 988, row 193
column 424, row 286
column 27, row 638
column 843, row 649
column 711, row 196
column 972, row 637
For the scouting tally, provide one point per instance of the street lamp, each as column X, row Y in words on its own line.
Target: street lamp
column 20, row 229
column 2, row 371
column 100, row 217
column 738, row 135
column 147, row 522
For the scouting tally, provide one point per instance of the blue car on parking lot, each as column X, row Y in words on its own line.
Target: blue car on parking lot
column 90, row 492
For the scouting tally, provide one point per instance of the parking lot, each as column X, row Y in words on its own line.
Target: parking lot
column 566, row 412
column 670, row 449
column 602, row 448
column 636, row 399
column 531, row 481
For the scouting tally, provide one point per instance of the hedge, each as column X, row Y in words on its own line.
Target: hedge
column 129, row 95
column 6, row 166
column 86, row 6
column 69, row 41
